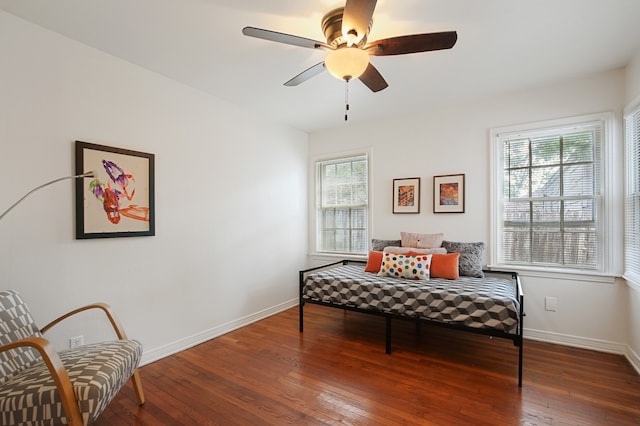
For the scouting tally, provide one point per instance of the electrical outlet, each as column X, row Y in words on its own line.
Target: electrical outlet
column 75, row 342
column 550, row 304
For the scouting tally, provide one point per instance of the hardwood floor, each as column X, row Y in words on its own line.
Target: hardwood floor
column 337, row 372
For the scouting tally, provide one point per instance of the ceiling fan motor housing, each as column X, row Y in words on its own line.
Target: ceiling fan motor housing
column 332, row 29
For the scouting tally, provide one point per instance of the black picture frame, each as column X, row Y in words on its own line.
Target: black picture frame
column 119, row 201
column 406, row 195
column 448, row 193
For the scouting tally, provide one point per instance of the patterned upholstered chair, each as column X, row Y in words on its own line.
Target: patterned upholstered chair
column 40, row 386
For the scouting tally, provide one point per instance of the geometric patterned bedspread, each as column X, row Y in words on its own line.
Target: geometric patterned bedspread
column 488, row 302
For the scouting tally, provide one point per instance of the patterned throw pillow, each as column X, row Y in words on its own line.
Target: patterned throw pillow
column 379, row 245
column 471, row 257
column 412, row 239
column 403, row 266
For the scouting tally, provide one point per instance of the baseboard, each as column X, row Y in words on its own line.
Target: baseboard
column 188, row 342
column 633, row 358
column 578, row 342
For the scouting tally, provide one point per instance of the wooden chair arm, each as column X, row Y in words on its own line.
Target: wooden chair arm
column 117, row 327
column 115, row 323
column 58, row 373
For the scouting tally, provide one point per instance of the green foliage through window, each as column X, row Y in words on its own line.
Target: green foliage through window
column 342, row 213
column 550, row 197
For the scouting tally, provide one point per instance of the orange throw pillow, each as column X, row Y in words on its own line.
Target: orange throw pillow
column 374, row 262
column 445, row 266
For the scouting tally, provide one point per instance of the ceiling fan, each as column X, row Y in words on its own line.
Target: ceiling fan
column 346, row 30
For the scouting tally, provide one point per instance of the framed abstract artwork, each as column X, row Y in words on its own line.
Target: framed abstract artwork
column 119, row 200
column 406, row 195
column 448, row 194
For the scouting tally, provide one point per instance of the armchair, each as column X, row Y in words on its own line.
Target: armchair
column 39, row 385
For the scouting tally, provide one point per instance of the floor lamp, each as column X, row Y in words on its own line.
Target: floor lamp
column 84, row 175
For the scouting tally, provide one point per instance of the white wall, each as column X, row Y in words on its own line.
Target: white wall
column 230, row 196
column 632, row 83
column 633, row 96
column 455, row 139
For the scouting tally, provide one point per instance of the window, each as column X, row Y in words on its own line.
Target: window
column 549, row 210
column 342, row 188
column 632, row 196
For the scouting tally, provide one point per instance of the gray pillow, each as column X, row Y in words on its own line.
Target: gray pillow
column 471, row 257
column 379, row 245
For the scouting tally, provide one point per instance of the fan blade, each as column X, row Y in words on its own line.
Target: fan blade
column 283, row 38
column 373, row 79
column 306, row 75
column 412, row 44
column 357, row 17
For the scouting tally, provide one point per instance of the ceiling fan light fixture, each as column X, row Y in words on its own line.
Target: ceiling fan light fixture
column 351, row 37
column 347, row 63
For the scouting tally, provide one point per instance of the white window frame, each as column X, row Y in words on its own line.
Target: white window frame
column 632, row 170
column 608, row 229
column 315, row 199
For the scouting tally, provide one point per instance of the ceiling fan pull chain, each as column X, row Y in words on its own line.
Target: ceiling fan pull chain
column 346, row 99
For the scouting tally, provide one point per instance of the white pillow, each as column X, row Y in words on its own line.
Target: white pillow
column 403, row 250
column 401, row 266
column 411, row 239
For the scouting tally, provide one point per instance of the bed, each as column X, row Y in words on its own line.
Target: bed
column 493, row 305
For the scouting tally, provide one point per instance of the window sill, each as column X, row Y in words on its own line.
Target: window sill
column 347, row 256
column 589, row 276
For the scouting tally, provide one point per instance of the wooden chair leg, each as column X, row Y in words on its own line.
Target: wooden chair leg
column 137, row 385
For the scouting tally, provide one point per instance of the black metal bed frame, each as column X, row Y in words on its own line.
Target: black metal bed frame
column 516, row 338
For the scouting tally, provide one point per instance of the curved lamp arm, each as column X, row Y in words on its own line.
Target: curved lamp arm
column 84, row 175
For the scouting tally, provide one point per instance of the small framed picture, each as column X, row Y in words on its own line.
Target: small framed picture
column 448, row 194
column 406, row 195
column 119, row 200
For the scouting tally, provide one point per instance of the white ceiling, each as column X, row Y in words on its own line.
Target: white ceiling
column 503, row 45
